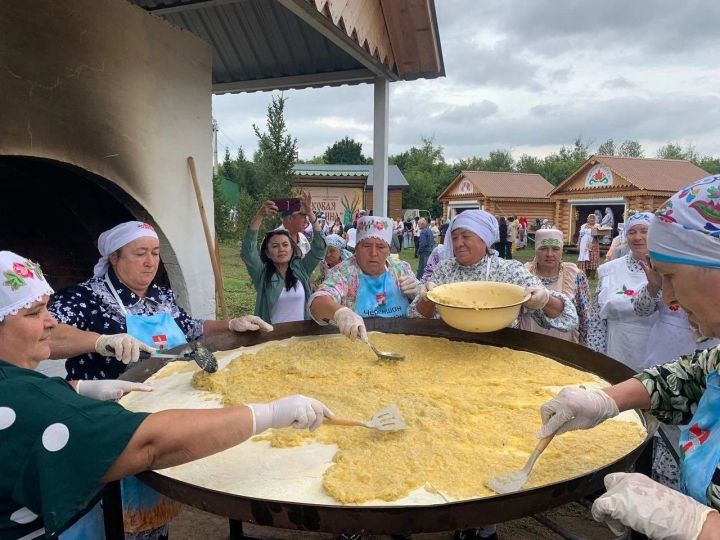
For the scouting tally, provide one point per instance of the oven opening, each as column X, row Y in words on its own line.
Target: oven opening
column 53, row 213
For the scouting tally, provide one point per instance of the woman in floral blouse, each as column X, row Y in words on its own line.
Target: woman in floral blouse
column 615, row 329
column 559, row 276
column 368, row 284
column 684, row 247
column 470, row 259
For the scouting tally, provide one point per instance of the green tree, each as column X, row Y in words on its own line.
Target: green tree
column 631, row 148
column 529, row 164
column 224, row 224
column 276, row 153
column 710, row 164
column 557, row 167
column 471, row 164
column 427, row 173
column 500, row 161
column 671, row 151
column 607, row 148
column 345, row 150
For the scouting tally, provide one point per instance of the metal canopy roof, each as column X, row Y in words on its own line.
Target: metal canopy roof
column 396, row 179
column 283, row 44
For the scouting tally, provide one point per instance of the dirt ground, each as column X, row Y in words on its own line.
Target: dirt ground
column 194, row 524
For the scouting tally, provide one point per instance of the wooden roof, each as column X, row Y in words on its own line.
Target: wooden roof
column 497, row 185
column 282, row 44
column 656, row 175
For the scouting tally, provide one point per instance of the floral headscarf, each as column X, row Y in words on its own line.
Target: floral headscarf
column 639, row 218
column 686, row 229
column 22, row 283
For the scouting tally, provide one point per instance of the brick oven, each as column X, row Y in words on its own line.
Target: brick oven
column 100, row 106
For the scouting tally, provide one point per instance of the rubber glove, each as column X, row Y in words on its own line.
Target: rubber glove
column 350, row 324
column 539, row 297
column 576, row 408
column 429, row 286
column 409, row 286
column 297, row 411
column 635, row 501
column 249, row 323
column 107, row 390
column 127, row 348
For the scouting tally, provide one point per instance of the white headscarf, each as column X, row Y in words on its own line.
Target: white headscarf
column 22, row 283
column 374, row 227
column 117, row 237
column 479, row 222
column 686, row 229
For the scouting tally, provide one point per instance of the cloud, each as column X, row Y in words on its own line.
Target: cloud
column 550, row 28
column 498, row 66
column 619, row 82
column 529, row 76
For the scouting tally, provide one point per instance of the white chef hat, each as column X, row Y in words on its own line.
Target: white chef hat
column 375, row 227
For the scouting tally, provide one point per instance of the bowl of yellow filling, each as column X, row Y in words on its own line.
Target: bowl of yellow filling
column 478, row 306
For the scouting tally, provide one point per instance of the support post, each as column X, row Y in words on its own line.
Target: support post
column 380, row 147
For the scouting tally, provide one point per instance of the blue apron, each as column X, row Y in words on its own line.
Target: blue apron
column 91, row 525
column 379, row 296
column 700, row 444
column 143, row 507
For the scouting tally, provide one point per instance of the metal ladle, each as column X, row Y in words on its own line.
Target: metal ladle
column 386, row 355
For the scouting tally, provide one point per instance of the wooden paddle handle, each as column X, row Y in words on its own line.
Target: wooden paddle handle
column 344, row 422
column 542, row 443
column 219, row 289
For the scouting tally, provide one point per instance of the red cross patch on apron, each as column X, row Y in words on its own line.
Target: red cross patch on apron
column 160, row 341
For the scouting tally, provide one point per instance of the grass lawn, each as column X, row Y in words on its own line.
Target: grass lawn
column 240, row 293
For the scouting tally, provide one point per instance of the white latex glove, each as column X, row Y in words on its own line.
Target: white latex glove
column 297, row 411
column 429, row 286
column 636, row 501
column 409, row 286
column 107, row 390
column 350, row 324
column 539, row 297
column 127, row 348
column 249, row 322
column 576, row 408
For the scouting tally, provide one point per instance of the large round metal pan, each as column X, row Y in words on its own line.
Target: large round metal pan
column 405, row 519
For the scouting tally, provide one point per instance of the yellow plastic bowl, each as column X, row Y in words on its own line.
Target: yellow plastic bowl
column 478, row 306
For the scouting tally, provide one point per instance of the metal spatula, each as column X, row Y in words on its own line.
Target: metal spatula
column 193, row 351
column 515, row 480
column 388, row 419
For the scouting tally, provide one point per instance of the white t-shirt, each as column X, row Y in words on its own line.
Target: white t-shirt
column 290, row 306
column 351, row 235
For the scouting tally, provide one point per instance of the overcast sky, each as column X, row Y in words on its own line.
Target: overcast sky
column 528, row 76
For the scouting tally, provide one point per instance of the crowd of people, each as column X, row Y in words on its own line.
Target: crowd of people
column 654, row 309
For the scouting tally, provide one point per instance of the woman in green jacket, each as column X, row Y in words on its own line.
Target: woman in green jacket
column 280, row 274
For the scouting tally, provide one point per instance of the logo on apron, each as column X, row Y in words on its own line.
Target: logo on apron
column 698, row 437
column 381, row 298
column 160, row 341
